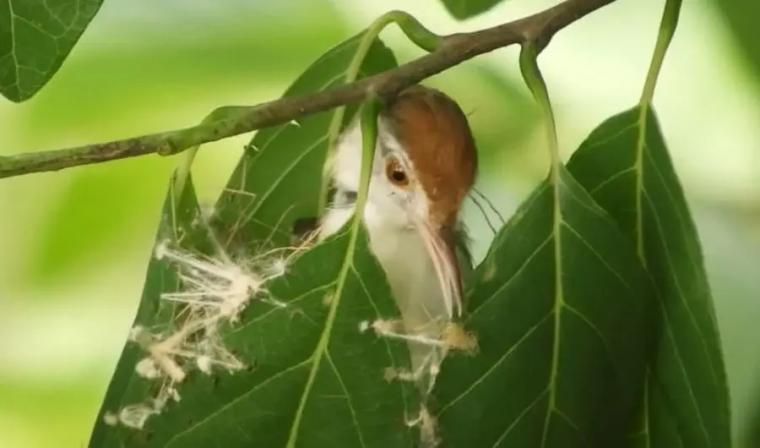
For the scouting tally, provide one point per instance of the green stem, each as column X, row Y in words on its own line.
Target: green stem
column 535, row 81
column 668, row 26
column 458, row 48
column 415, row 31
column 182, row 172
column 369, row 113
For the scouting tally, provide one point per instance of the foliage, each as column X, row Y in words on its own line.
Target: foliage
column 625, row 166
column 35, row 38
column 561, row 309
column 463, row 9
column 592, row 312
column 742, row 20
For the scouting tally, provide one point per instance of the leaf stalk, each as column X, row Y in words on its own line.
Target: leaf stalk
column 668, row 26
column 537, row 86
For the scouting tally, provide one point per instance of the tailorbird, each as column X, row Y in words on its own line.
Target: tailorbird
column 424, row 166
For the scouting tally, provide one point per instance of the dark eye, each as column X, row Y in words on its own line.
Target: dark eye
column 396, row 173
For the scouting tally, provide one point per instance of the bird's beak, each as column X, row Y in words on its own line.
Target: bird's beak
column 441, row 246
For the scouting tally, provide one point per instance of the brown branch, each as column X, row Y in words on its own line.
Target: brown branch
column 454, row 49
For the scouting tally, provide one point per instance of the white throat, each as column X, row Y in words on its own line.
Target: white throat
column 394, row 241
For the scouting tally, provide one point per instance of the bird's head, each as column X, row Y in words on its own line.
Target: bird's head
column 425, row 164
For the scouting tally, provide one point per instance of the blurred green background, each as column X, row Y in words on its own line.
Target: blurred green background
column 74, row 245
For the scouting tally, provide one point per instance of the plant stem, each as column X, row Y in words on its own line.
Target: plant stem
column 668, row 26
column 535, row 81
column 182, row 173
column 449, row 51
column 369, row 115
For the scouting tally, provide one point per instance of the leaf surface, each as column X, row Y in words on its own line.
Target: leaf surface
column 742, row 24
column 464, row 9
column 35, row 38
column 560, row 310
column 312, row 376
column 126, row 387
column 277, row 180
column 318, row 380
column 625, row 165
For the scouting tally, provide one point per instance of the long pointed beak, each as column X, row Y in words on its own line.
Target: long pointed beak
column 442, row 249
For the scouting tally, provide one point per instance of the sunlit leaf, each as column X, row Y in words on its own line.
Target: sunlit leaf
column 35, row 38
column 561, row 311
column 463, row 9
column 625, row 165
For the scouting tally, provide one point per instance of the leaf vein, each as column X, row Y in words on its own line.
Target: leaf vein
column 343, row 387
column 514, row 276
column 608, row 181
column 679, row 289
column 239, row 398
column 598, row 256
column 501, row 359
column 520, row 416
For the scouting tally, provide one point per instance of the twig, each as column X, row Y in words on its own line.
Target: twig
column 453, row 49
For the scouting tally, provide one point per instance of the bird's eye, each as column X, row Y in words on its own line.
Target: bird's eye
column 396, row 173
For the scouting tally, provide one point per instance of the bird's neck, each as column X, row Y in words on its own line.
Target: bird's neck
column 411, row 275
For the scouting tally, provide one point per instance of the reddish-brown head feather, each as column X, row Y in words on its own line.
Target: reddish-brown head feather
column 434, row 131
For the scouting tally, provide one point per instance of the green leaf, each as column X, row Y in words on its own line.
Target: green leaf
column 126, row 387
column 312, row 377
column 752, row 436
column 464, row 9
column 318, row 380
column 561, row 311
column 277, row 180
column 742, row 17
column 625, row 165
column 35, row 38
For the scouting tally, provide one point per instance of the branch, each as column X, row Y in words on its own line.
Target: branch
column 537, row 29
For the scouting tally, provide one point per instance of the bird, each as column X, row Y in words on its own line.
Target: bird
column 424, row 166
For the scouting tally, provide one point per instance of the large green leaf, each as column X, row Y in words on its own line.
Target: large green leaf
column 313, row 378
column 35, row 38
column 463, row 9
column 277, row 180
column 561, row 311
column 126, row 387
column 625, row 165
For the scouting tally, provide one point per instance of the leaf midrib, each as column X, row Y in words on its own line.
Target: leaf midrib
column 324, row 337
column 559, row 299
column 641, row 195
